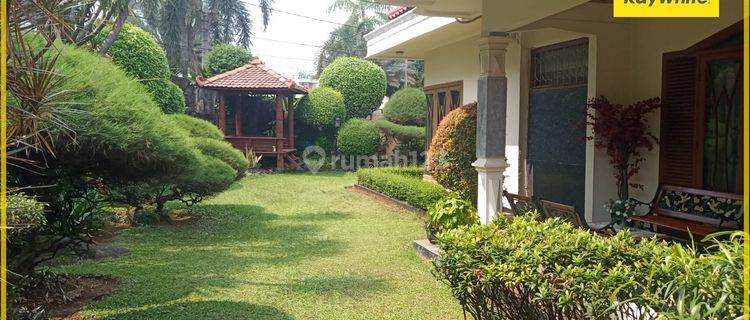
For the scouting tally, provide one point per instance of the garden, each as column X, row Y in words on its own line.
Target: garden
column 123, row 203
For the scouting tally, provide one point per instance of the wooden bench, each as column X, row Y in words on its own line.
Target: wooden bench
column 693, row 211
column 520, row 205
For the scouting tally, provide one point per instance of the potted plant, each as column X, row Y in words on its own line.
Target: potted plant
column 624, row 133
column 449, row 212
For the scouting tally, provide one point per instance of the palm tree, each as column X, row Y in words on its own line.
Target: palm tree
column 348, row 39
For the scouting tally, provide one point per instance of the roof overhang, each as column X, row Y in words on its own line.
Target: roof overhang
column 441, row 8
column 411, row 35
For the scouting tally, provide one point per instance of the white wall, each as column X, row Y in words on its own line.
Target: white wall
column 453, row 62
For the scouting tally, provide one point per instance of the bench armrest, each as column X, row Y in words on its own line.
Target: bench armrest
column 641, row 203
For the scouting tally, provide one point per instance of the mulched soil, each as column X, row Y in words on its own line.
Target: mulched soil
column 71, row 295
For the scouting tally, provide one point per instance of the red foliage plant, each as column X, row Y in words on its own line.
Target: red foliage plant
column 623, row 131
column 453, row 150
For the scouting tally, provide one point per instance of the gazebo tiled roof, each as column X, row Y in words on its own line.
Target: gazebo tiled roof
column 254, row 76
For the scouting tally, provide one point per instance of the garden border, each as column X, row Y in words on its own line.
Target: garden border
column 403, row 204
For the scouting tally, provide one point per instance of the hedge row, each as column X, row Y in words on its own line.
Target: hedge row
column 403, row 183
column 526, row 269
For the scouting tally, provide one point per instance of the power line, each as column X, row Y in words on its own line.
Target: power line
column 289, row 42
column 282, row 57
column 304, row 16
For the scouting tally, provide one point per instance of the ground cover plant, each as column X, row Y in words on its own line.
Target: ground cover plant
column 252, row 252
column 403, row 183
column 526, row 269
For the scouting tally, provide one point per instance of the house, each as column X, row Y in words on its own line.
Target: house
column 531, row 66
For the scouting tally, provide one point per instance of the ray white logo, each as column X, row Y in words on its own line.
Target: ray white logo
column 666, row 8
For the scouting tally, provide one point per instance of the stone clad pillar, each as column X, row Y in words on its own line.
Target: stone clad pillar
column 492, row 91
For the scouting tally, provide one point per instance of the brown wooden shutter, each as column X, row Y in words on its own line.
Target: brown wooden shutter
column 679, row 149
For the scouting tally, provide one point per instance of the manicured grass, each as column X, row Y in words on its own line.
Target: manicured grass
column 284, row 246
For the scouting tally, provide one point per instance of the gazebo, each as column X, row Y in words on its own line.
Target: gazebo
column 240, row 96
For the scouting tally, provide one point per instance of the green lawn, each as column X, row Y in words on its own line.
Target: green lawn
column 283, row 246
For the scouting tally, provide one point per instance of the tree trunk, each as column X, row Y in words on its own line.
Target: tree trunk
column 121, row 18
column 623, row 185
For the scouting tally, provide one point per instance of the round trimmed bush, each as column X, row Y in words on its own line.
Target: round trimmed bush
column 358, row 137
column 167, row 95
column 361, row 82
column 137, row 52
column 322, row 106
column 407, row 106
column 224, row 57
column 223, row 151
column 197, row 128
column 452, row 151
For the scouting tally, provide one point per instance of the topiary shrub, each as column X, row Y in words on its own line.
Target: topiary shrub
column 452, row 151
column 410, row 138
column 407, row 106
column 121, row 125
column 224, row 57
column 361, row 82
column 403, row 183
column 223, row 151
column 197, row 127
column 137, row 52
column 167, row 95
column 321, row 107
column 554, row 270
column 123, row 142
column 358, row 137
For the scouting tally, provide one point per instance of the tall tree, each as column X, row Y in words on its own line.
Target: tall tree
column 348, row 40
column 187, row 28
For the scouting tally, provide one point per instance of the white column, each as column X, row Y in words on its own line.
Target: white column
column 492, row 91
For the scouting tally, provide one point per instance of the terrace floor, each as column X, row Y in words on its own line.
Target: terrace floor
column 281, row 246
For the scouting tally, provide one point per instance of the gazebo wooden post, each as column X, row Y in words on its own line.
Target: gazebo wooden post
column 238, row 117
column 290, row 120
column 279, row 130
column 222, row 114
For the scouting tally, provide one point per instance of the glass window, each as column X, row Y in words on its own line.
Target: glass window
column 721, row 147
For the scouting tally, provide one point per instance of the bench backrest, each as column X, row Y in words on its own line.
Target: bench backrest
column 520, row 205
column 711, row 207
column 562, row 211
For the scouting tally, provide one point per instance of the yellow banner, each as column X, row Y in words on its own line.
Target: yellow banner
column 666, row 8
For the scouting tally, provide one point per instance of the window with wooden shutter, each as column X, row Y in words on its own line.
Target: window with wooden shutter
column 701, row 115
column 441, row 99
column 678, row 163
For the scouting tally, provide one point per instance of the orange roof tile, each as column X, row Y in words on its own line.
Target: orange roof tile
column 252, row 76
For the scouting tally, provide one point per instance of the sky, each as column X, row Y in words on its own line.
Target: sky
column 272, row 45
